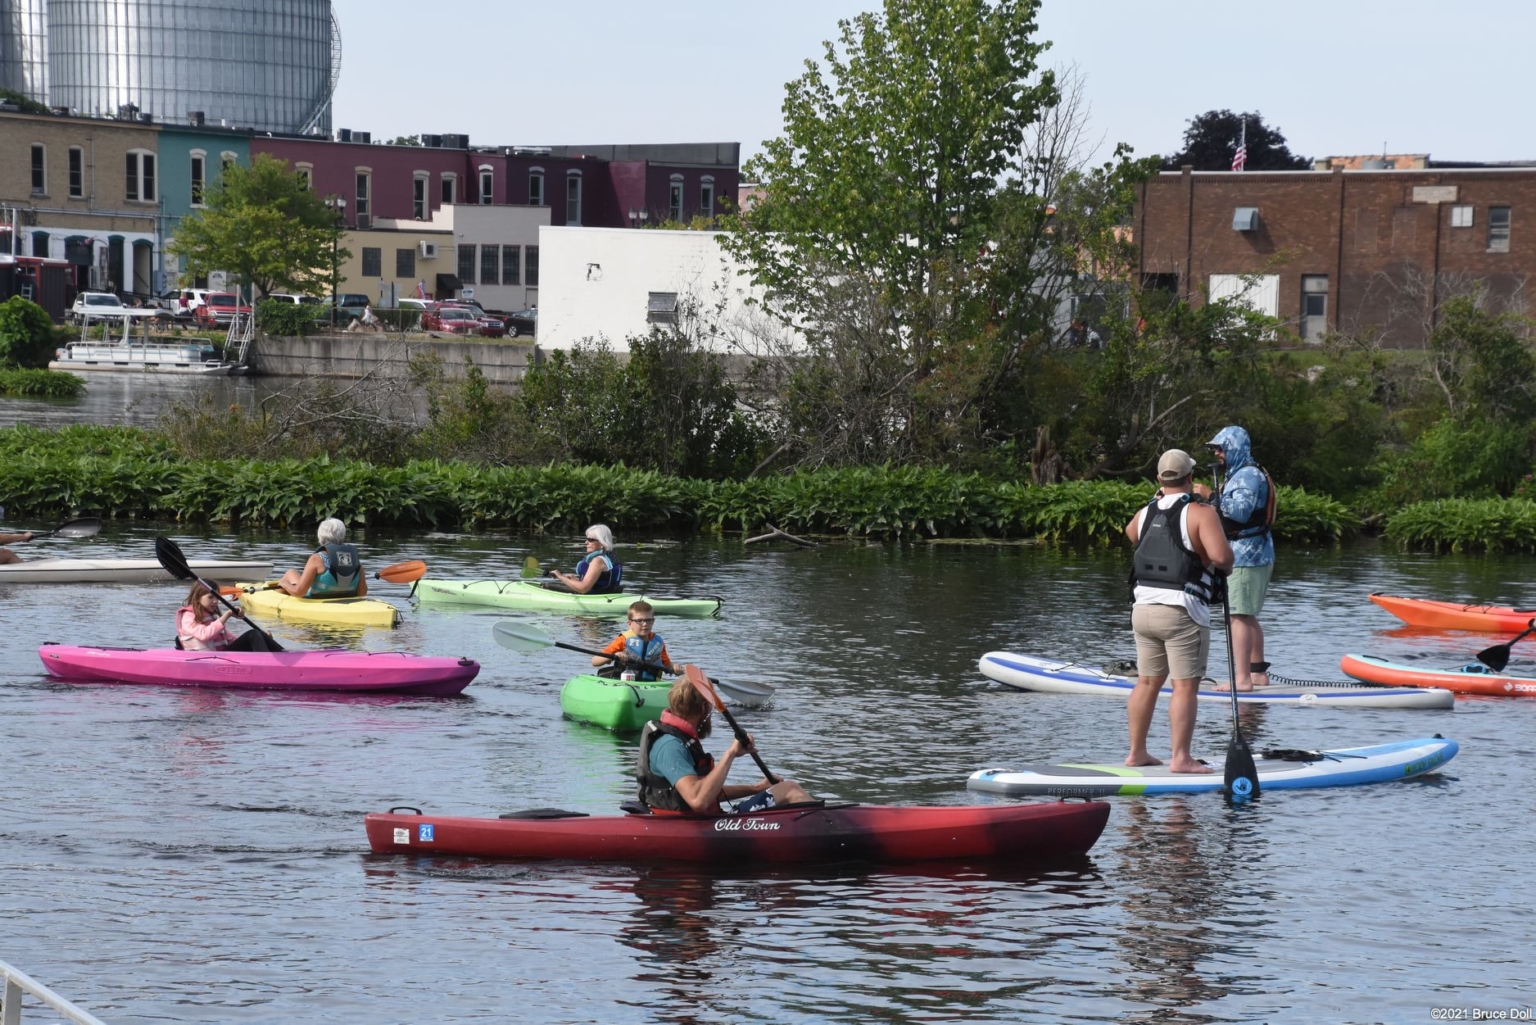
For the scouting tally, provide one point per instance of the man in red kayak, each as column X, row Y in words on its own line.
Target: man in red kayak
column 676, row 774
column 1180, row 548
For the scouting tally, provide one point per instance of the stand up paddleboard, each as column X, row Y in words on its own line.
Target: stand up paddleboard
column 1278, row 770
column 1025, row 672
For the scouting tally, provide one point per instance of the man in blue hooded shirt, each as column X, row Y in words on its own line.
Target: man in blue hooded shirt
column 1245, row 504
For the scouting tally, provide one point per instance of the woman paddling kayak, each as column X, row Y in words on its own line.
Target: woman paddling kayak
column 599, row 572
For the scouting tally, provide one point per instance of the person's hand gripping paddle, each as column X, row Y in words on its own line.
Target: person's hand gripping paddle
column 1242, row 776
column 700, row 683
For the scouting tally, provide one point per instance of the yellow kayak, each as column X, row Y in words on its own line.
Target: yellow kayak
column 270, row 600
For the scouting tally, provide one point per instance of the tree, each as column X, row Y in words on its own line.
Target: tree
column 405, row 140
column 26, row 333
column 910, row 230
column 1212, row 138
column 264, row 225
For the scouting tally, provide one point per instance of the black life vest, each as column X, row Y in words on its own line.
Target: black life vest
column 343, row 568
column 1162, row 559
column 656, row 791
column 1260, row 520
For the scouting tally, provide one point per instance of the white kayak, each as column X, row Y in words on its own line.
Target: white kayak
column 1277, row 770
column 125, row 571
column 1026, row 672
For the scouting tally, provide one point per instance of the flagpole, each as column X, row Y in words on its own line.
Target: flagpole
column 1242, row 147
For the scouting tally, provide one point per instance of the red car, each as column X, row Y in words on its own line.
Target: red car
column 460, row 320
column 218, row 309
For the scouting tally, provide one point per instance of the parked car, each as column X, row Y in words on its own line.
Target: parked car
column 349, row 306
column 169, row 300
column 218, row 309
column 456, row 320
column 189, row 301
column 523, row 322
column 106, row 306
column 289, row 297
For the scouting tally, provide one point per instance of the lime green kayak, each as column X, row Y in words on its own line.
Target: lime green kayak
column 267, row 600
column 613, row 704
column 530, row 596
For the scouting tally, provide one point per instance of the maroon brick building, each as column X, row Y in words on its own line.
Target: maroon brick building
column 1369, row 253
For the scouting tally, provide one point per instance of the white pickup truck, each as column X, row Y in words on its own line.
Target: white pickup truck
column 106, row 306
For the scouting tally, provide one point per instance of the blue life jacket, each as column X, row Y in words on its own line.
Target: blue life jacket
column 612, row 578
column 643, row 651
column 343, row 569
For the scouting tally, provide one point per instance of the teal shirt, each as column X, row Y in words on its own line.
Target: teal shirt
column 669, row 758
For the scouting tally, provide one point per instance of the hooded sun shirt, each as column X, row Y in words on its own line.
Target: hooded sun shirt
column 1243, row 491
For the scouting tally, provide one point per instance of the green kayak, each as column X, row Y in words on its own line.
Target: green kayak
column 530, row 596
column 613, row 704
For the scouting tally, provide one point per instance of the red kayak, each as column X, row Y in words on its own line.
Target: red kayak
column 794, row 833
column 1452, row 615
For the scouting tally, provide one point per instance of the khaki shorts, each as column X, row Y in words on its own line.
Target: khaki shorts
column 1246, row 588
column 1169, row 643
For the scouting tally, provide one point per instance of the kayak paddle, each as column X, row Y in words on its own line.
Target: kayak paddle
column 87, row 526
column 526, row 638
column 703, row 685
column 402, row 572
column 1242, row 776
column 531, row 568
column 1497, row 657
column 169, row 555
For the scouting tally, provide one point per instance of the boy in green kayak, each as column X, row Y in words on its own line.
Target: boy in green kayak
column 640, row 643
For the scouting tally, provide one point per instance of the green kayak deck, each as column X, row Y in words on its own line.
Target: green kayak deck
column 530, row 596
column 620, row 705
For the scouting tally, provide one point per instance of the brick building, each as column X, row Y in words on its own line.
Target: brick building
column 1369, row 253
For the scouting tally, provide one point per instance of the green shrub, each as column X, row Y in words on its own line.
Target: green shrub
column 53, row 384
column 1466, row 525
column 26, row 334
column 285, row 319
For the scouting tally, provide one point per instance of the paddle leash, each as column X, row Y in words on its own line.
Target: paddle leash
column 169, row 555
column 1242, row 776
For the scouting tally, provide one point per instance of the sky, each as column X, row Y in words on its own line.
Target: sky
column 1335, row 76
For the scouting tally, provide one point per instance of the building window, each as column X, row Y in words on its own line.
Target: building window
column 198, row 178
column 141, row 176
column 405, row 263
column 373, row 262
column 306, row 174
column 675, row 199
column 661, row 307
column 419, row 196
column 40, row 244
column 531, row 266
column 707, row 196
column 364, row 189
column 450, row 188
column 39, row 170
column 487, row 186
column 490, row 264
column 573, row 198
column 511, row 265
column 467, row 265
column 1314, row 306
column 536, row 188
column 1461, row 217
column 76, row 171
column 1498, row 229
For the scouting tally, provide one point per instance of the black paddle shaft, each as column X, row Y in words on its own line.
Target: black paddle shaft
column 746, row 741
column 168, row 553
column 1240, row 765
column 1497, row 657
column 651, row 666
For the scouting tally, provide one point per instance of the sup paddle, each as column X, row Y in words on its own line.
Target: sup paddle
column 526, row 638
column 87, row 526
column 169, row 555
column 1497, row 657
column 1242, row 776
column 704, row 685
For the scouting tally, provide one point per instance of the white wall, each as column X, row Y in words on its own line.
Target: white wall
column 1260, row 292
column 596, row 282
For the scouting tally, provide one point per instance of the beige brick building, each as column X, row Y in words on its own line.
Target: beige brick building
column 82, row 190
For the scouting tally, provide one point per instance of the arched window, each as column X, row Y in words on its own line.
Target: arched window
column 707, row 195
column 140, row 185
column 449, row 188
column 573, row 197
column 419, row 204
column 199, row 175
column 487, row 184
column 536, row 186
column 675, row 198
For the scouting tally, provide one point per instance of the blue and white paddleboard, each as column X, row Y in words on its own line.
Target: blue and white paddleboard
column 1343, row 768
column 1026, row 672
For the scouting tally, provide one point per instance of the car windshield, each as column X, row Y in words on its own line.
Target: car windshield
column 102, row 300
column 221, row 300
column 457, row 314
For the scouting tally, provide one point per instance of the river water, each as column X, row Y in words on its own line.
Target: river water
column 184, row 856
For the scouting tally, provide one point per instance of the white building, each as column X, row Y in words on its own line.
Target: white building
column 615, row 283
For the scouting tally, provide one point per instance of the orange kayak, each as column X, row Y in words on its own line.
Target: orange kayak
column 1450, row 615
column 1468, row 679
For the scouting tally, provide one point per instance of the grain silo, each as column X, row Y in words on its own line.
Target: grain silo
column 24, row 48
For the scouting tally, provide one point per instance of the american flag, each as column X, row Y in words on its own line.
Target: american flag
column 1241, row 156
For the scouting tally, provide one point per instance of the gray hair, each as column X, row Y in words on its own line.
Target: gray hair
column 332, row 532
column 600, row 533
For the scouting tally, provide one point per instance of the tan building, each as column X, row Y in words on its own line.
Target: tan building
column 389, row 264
column 82, row 190
column 489, row 253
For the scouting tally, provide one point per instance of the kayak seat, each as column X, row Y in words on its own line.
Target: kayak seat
column 544, row 813
column 634, row 808
column 179, row 645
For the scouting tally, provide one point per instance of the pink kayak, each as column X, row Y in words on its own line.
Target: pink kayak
column 356, row 672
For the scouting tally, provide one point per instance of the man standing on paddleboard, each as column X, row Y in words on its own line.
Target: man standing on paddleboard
column 1246, row 504
column 1180, row 548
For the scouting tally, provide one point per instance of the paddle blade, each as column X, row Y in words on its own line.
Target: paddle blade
column 746, row 694
column 88, row 526
column 531, row 568
column 402, row 572
column 1497, row 657
column 521, row 636
column 168, row 553
column 702, row 684
column 1242, row 776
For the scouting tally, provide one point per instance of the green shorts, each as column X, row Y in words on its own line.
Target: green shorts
column 1246, row 588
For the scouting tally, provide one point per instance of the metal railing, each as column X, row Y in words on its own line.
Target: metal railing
column 18, row 982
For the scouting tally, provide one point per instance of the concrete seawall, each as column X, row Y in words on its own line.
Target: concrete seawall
column 384, row 355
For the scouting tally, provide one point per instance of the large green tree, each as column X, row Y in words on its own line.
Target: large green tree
column 263, row 224
column 1211, row 141
column 921, row 207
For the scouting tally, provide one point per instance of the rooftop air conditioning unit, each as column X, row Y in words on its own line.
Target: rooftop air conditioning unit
column 363, row 137
column 456, row 142
column 343, row 135
column 434, row 141
column 428, row 250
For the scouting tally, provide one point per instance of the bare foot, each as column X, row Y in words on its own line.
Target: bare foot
column 1136, row 761
column 1240, row 688
column 1191, row 766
